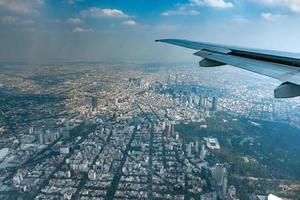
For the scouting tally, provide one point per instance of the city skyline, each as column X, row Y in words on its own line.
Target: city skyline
column 150, row 100
column 116, row 131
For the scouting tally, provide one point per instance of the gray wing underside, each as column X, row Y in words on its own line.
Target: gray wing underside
column 279, row 65
column 282, row 72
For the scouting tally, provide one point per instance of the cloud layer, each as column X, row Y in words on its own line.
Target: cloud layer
column 81, row 29
column 213, row 3
column 95, row 12
column 26, row 7
column 15, row 20
column 293, row 5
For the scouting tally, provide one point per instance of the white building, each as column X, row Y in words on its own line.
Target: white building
column 3, row 153
column 212, row 143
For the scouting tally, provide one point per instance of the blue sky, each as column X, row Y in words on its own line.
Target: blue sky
column 47, row 30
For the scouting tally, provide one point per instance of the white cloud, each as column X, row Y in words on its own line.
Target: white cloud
column 241, row 20
column 73, row 1
column 95, row 12
column 129, row 23
column 54, row 21
column 213, row 3
column 182, row 10
column 74, row 21
column 293, row 5
column 81, row 30
column 167, row 27
column 15, row 20
column 272, row 17
column 26, row 29
column 26, row 7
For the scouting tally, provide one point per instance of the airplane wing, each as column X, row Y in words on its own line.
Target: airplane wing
column 283, row 66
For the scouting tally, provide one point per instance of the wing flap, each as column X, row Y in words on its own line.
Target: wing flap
column 282, row 72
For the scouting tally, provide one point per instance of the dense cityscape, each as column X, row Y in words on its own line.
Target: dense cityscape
column 145, row 131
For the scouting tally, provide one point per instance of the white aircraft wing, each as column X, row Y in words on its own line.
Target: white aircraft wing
column 280, row 65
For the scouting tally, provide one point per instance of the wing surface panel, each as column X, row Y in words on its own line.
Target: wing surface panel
column 278, row 71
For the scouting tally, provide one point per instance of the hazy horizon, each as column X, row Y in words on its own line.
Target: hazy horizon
column 68, row 30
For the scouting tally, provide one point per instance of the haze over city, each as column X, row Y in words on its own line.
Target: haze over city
column 99, row 100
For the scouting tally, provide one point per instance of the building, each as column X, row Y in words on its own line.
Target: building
column 3, row 153
column 64, row 150
column 219, row 172
column 189, row 149
column 264, row 197
column 172, row 129
column 232, row 193
column 196, row 146
column 94, row 104
column 92, row 175
column 190, row 101
column 214, row 104
column 224, row 186
column 48, row 137
column 31, row 130
column 212, row 143
column 204, row 103
column 168, row 130
column 177, row 136
column 209, row 196
column 203, row 152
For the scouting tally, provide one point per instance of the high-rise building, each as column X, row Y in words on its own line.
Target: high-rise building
column 172, row 129
column 163, row 125
column 41, row 138
column 67, row 124
column 169, row 79
column 177, row 136
column 203, row 152
column 224, row 186
column 214, row 104
column 200, row 104
column 94, row 103
column 190, row 101
column 31, row 130
column 196, row 146
column 189, row 149
column 204, row 104
column 219, row 172
column 168, row 130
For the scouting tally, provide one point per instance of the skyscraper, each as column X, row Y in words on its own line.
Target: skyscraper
column 203, row 152
column 204, row 104
column 190, row 101
column 200, row 101
column 196, row 146
column 168, row 130
column 172, row 130
column 94, row 103
column 219, row 172
column 189, row 149
column 214, row 104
